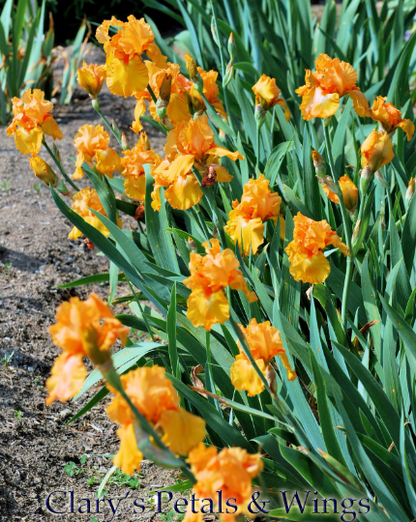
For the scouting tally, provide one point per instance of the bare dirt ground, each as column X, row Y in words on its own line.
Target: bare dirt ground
column 38, row 452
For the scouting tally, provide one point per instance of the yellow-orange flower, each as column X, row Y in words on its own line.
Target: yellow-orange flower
column 210, row 275
column 384, row 112
column 177, row 109
column 31, row 121
column 126, row 72
column 91, row 78
column 258, row 204
column 323, row 89
column 92, row 143
column 307, row 260
column 133, row 161
column 376, row 151
column 81, row 203
column 153, row 394
column 265, row 343
column 83, row 328
column 349, row 193
column 189, row 145
column 268, row 94
column 231, row 470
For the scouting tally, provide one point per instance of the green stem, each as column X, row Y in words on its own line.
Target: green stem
column 223, row 67
column 347, row 228
column 60, row 166
column 258, row 149
column 114, row 132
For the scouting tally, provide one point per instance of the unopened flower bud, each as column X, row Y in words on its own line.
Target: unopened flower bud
column 161, row 108
column 410, row 190
column 43, row 171
column 57, row 153
column 191, row 67
column 367, row 176
column 232, row 48
column 229, row 73
column 214, row 32
column 144, row 140
column 271, row 379
column 124, row 142
column 260, row 115
column 318, row 163
column 381, row 179
column 209, row 179
column 356, row 231
column 165, row 88
column 191, row 244
column 139, row 214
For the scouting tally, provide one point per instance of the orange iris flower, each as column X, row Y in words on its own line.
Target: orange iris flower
column 231, row 471
column 323, row 89
column 133, row 161
column 31, row 120
column 376, row 151
column 177, row 109
column 153, row 394
column 82, row 329
column 210, row 275
column 307, row 260
column 92, row 146
column 265, row 343
column 125, row 69
column 258, row 204
column 268, row 95
column 189, row 145
column 386, row 113
column 81, row 203
column 91, row 78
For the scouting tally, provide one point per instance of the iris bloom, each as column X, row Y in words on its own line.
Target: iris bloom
column 125, row 69
column 133, row 161
column 268, row 95
column 91, row 78
column 31, row 120
column 258, row 204
column 210, row 275
column 376, row 151
column 155, row 397
column 323, row 89
column 189, row 145
column 385, row 113
column 177, row 107
column 82, row 329
column 231, row 470
column 265, row 343
column 307, row 260
column 92, row 143
column 81, row 203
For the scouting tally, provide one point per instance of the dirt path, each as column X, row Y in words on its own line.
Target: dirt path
column 36, row 448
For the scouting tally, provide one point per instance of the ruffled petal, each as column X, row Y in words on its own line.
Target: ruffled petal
column 125, row 79
column 244, row 376
column 207, row 311
column 182, row 430
column 68, row 376
column 184, row 193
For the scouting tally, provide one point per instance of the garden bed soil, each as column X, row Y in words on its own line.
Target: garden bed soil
column 38, row 452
